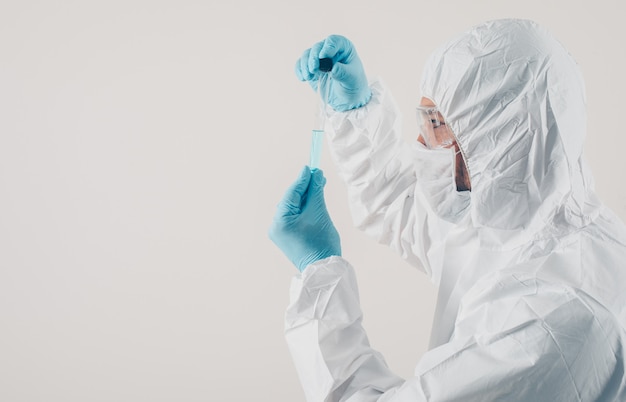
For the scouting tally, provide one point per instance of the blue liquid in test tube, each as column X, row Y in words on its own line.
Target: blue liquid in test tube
column 316, row 148
column 318, row 133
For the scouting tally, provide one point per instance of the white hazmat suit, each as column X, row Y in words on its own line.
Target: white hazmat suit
column 531, row 267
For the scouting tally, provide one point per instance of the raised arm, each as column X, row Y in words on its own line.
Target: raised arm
column 392, row 185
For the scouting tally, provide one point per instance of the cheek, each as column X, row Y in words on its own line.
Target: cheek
column 458, row 174
column 459, row 164
column 461, row 175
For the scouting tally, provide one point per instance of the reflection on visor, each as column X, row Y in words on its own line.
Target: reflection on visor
column 433, row 128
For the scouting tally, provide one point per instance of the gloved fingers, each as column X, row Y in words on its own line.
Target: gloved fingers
column 338, row 48
column 302, row 69
column 340, row 72
column 318, row 180
column 295, row 195
column 316, row 188
column 314, row 58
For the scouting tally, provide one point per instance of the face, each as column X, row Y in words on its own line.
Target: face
column 461, row 174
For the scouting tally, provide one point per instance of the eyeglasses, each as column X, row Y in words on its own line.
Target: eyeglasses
column 433, row 128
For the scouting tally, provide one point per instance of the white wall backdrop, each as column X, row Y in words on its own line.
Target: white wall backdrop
column 143, row 148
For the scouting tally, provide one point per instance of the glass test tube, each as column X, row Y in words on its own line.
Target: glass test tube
column 317, row 138
column 316, row 148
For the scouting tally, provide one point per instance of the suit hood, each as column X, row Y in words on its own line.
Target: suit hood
column 515, row 100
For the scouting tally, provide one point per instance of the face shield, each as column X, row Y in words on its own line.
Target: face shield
column 433, row 128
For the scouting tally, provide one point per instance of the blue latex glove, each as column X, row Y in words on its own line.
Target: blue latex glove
column 302, row 228
column 348, row 84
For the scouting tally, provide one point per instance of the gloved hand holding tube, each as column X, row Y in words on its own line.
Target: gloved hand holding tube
column 302, row 228
column 348, row 85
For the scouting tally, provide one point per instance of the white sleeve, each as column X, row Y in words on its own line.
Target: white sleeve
column 328, row 345
column 380, row 171
column 515, row 340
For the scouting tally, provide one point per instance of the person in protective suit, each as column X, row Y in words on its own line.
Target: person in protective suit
column 494, row 202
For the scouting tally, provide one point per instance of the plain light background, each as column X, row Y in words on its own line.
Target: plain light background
column 143, row 148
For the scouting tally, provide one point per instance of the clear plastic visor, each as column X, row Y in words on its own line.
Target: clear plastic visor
column 433, row 128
